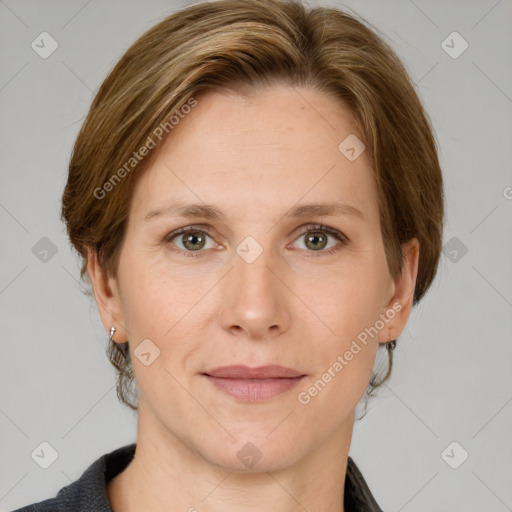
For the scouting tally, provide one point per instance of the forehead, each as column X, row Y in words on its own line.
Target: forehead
column 248, row 154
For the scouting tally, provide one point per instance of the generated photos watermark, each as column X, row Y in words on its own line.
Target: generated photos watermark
column 138, row 156
column 304, row 397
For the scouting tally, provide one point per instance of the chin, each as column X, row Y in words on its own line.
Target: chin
column 252, row 451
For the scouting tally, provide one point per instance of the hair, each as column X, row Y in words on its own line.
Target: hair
column 242, row 46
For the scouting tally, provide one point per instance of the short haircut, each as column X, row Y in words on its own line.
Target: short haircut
column 243, row 46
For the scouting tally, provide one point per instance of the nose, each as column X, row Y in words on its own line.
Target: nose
column 255, row 299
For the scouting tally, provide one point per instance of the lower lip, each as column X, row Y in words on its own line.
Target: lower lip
column 254, row 390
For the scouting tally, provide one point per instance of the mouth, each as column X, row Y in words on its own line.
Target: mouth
column 254, row 384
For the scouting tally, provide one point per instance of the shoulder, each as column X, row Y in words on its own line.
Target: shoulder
column 89, row 492
column 49, row 505
column 42, row 506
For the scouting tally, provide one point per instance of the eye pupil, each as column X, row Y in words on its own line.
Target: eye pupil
column 314, row 238
column 192, row 238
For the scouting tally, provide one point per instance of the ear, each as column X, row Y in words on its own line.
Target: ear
column 402, row 298
column 108, row 300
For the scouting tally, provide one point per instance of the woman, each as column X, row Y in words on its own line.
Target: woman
column 258, row 203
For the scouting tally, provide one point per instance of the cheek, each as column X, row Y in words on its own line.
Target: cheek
column 163, row 306
column 338, row 386
column 343, row 361
column 349, row 306
column 153, row 296
column 349, row 301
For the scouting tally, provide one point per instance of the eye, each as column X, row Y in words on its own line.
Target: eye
column 316, row 238
column 192, row 240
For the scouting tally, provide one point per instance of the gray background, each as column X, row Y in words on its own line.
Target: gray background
column 452, row 379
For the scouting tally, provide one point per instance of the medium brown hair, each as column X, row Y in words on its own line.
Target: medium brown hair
column 243, row 45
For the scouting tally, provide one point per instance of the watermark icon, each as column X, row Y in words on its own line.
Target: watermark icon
column 146, row 352
column 351, row 147
column 44, row 45
column 454, row 455
column 138, row 156
column 507, row 192
column 455, row 249
column 249, row 249
column 454, row 45
column 44, row 455
column 249, row 455
column 44, row 250
column 304, row 397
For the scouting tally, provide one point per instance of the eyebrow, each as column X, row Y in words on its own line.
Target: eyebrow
column 208, row 211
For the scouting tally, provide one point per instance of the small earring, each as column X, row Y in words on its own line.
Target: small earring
column 390, row 345
column 112, row 331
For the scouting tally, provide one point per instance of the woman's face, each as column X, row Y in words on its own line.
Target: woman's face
column 256, row 285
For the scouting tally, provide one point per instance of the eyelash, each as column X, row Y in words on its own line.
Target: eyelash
column 307, row 229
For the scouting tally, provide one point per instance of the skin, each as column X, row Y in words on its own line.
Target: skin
column 253, row 158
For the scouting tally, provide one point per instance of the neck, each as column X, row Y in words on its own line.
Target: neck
column 167, row 475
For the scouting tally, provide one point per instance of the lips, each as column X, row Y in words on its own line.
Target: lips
column 261, row 372
column 254, row 384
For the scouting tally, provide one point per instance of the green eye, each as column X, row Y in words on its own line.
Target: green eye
column 316, row 238
column 193, row 240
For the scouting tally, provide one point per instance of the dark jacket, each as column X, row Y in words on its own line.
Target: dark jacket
column 89, row 492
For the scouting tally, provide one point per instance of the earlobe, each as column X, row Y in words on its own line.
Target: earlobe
column 106, row 293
